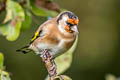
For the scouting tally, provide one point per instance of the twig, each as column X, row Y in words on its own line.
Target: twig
column 48, row 59
column 48, row 4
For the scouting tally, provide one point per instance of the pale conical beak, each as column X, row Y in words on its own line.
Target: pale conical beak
column 74, row 28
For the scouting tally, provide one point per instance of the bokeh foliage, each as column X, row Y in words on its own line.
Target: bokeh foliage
column 13, row 21
column 3, row 74
column 19, row 17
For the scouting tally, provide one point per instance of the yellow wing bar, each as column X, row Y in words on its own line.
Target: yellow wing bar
column 35, row 36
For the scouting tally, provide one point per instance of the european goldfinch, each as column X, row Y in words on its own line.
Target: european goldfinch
column 57, row 35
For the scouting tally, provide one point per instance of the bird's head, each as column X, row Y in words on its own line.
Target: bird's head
column 68, row 22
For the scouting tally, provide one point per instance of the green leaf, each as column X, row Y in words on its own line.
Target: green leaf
column 4, row 75
column 51, row 13
column 41, row 11
column 64, row 61
column 110, row 77
column 13, row 21
column 9, row 12
column 64, row 77
column 11, row 30
column 1, row 61
column 27, row 22
column 13, row 9
column 38, row 11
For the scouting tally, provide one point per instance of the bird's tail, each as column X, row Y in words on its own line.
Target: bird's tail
column 24, row 50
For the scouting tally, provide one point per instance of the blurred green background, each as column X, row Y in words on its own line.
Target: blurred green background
column 98, row 51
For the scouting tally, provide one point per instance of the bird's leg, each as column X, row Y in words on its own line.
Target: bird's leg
column 48, row 59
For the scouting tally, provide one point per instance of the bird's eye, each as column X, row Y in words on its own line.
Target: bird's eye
column 69, row 24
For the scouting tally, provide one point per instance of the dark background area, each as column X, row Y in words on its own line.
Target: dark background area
column 98, row 51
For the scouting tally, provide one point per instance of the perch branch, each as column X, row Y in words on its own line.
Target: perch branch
column 48, row 59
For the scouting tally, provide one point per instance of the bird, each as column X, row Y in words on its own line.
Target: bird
column 57, row 35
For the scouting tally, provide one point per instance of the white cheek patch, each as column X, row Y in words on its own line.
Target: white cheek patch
column 65, row 18
column 61, row 29
column 62, row 25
